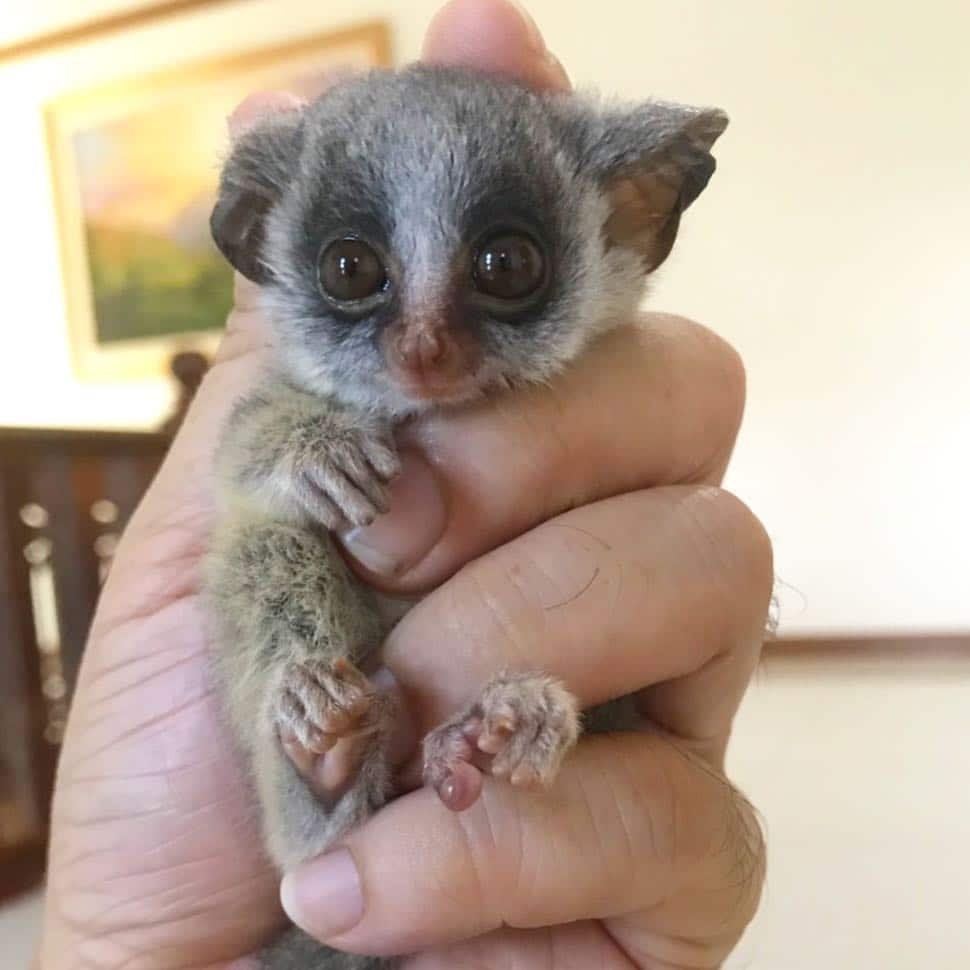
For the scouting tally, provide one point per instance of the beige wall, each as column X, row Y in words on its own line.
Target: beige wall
column 832, row 249
column 860, row 774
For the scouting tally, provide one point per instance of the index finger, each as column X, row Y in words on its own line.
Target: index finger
column 655, row 404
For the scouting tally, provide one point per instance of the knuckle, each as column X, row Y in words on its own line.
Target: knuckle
column 711, row 372
column 733, row 852
column 721, row 365
column 659, row 825
column 701, row 823
column 730, row 369
column 747, row 533
column 736, row 543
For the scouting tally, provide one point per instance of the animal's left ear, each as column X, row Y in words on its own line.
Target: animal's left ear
column 262, row 164
column 653, row 160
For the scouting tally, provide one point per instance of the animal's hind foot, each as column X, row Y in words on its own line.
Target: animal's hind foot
column 329, row 717
column 519, row 729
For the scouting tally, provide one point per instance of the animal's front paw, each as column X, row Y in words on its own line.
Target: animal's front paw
column 520, row 728
column 341, row 476
column 328, row 717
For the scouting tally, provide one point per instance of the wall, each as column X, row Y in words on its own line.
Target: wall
column 831, row 249
column 859, row 773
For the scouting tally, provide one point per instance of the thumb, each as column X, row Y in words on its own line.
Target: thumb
column 497, row 36
column 628, row 822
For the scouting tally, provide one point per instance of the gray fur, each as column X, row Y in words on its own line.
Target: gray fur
column 308, row 458
column 297, row 951
column 282, row 595
column 421, row 163
column 411, row 157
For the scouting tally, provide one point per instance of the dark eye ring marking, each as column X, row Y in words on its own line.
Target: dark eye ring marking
column 350, row 271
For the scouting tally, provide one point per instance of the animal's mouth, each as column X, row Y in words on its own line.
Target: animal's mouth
column 440, row 389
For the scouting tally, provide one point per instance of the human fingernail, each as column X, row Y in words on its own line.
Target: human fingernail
column 324, row 897
column 400, row 539
column 534, row 37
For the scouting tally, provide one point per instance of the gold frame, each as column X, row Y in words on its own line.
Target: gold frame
column 84, row 30
column 149, row 357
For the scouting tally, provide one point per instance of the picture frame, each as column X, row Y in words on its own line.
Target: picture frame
column 134, row 166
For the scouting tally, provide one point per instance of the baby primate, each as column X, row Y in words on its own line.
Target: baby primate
column 422, row 238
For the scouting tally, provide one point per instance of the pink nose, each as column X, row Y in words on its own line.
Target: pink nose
column 430, row 356
column 423, row 350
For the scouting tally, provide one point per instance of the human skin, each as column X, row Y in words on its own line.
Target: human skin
column 577, row 529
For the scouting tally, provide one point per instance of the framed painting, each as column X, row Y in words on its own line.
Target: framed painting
column 135, row 167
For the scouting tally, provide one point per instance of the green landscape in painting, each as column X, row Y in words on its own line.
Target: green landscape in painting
column 147, row 184
column 146, row 284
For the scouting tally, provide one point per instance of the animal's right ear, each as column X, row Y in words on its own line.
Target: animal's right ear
column 262, row 163
column 652, row 160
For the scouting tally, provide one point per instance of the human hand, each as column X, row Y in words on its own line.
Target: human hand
column 630, row 570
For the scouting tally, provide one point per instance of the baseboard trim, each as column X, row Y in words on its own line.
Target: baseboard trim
column 952, row 647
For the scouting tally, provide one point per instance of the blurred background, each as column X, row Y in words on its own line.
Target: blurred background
column 832, row 249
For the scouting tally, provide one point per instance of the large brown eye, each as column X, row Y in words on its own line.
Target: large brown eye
column 509, row 266
column 351, row 270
